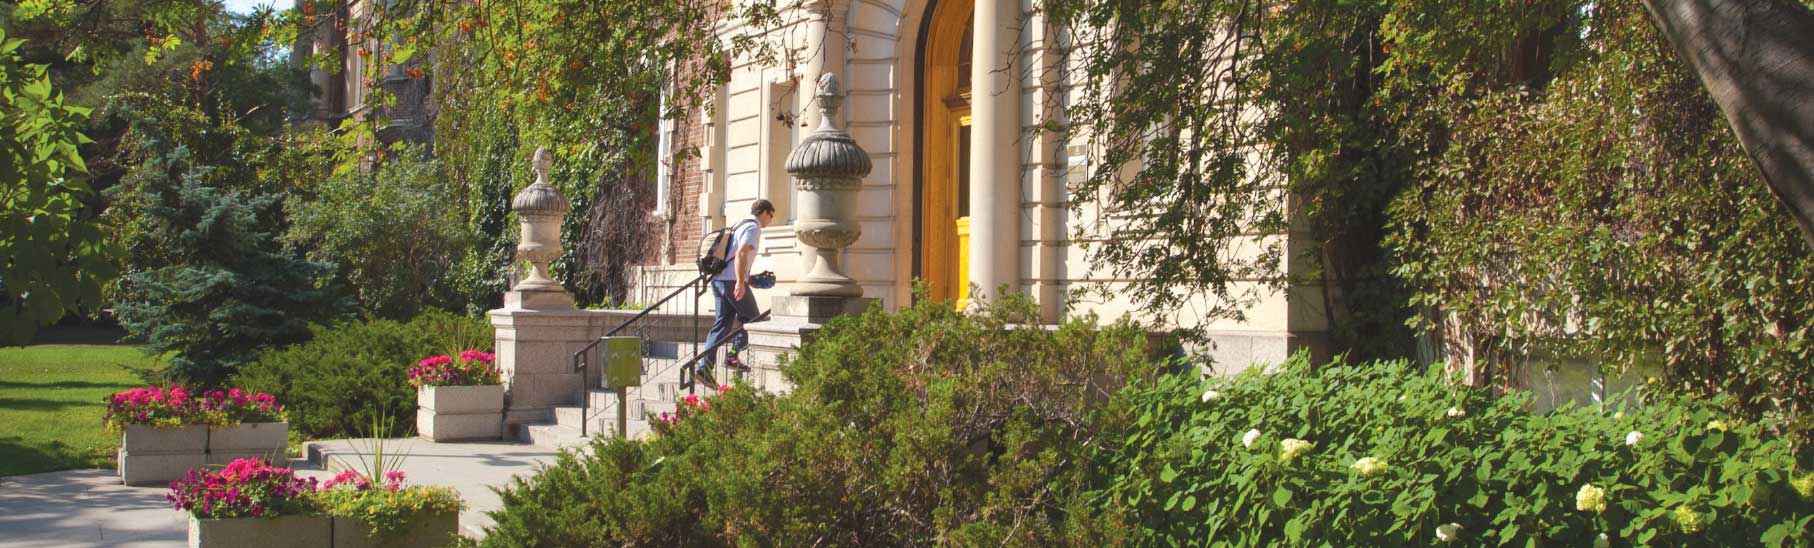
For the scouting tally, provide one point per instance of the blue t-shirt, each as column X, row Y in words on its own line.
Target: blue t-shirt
column 748, row 233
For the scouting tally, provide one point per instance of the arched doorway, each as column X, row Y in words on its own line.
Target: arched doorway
column 944, row 163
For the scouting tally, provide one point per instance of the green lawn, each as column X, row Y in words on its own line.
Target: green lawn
column 51, row 401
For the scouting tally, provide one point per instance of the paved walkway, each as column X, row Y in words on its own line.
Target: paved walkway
column 471, row 468
column 91, row 508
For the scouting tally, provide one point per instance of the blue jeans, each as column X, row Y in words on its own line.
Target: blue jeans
column 730, row 313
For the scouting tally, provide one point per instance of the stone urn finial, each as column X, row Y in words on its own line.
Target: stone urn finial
column 540, row 209
column 828, row 169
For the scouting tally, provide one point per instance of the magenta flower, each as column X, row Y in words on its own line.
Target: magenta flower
column 472, row 368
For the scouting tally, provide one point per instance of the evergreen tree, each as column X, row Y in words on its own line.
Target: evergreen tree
column 231, row 290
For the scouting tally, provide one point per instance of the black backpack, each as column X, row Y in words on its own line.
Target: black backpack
column 714, row 250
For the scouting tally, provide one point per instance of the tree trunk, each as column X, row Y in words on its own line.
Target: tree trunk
column 1756, row 58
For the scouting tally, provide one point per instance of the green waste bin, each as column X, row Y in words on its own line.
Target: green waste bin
column 623, row 362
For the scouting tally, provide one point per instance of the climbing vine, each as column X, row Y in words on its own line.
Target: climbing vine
column 1522, row 183
column 583, row 79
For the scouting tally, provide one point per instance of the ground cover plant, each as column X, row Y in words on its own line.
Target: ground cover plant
column 1382, row 454
column 52, row 397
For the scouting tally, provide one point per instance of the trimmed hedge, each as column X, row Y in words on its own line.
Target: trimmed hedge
column 355, row 373
column 907, row 429
column 929, row 427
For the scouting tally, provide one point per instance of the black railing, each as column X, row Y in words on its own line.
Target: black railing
column 697, row 285
column 686, row 367
column 580, row 362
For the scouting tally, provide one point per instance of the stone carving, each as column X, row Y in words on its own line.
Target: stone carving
column 540, row 209
column 828, row 168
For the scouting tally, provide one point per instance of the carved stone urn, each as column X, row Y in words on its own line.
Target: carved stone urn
column 828, row 169
column 540, row 209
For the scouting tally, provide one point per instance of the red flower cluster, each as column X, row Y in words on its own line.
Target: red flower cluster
column 245, row 488
column 692, row 401
column 472, row 368
column 393, row 481
column 168, row 406
column 241, row 406
column 176, row 406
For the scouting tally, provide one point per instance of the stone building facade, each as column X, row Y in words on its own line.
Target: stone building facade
column 342, row 33
column 965, row 192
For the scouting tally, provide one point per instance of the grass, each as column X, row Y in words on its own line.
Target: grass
column 51, row 400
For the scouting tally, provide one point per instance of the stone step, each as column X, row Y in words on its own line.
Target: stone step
column 553, row 436
column 651, row 408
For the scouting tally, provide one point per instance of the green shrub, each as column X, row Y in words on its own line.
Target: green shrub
column 1175, row 468
column 355, row 373
column 914, row 428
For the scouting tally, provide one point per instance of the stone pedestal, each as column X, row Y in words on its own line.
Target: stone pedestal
column 535, row 354
column 815, row 310
column 533, row 299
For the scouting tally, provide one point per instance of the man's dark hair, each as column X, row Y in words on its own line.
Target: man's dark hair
column 761, row 206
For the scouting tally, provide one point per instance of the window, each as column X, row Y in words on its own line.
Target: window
column 664, row 152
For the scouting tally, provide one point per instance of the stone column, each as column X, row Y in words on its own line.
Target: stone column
column 995, row 149
column 827, row 39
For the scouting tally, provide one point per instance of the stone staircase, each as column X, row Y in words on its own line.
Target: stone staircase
column 658, row 394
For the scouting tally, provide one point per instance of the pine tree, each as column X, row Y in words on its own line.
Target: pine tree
column 230, row 290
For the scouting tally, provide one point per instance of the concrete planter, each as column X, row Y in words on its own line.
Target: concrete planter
column 151, row 456
column 427, row 530
column 280, row 532
column 267, row 440
column 460, row 413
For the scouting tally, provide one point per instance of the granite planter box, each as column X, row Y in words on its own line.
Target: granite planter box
column 428, row 530
column 267, row 440
column 301, row 531
column 152, row 456
column 460, row 413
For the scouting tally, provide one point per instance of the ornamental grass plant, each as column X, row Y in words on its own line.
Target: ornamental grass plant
column 388, row 507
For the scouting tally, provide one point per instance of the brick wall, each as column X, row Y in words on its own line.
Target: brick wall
column 682, row 227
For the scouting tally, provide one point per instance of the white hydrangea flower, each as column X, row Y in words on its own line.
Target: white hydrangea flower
column 1633, row 438
column 1211, row 395
column 1248, row 438
column 1456, row 412
column 1590, row 499
column 1448, row 532
column 1290, row 448
column 1370, row 465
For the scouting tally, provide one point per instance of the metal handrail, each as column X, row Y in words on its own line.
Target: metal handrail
column 688, row 364
column 580, row 363
column 579, row 358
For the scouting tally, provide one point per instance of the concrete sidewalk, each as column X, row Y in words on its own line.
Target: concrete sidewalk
column 470, row 468
column 91, row 508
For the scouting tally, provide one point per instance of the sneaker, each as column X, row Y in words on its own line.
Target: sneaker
column 704, row 375
column 731, row 362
